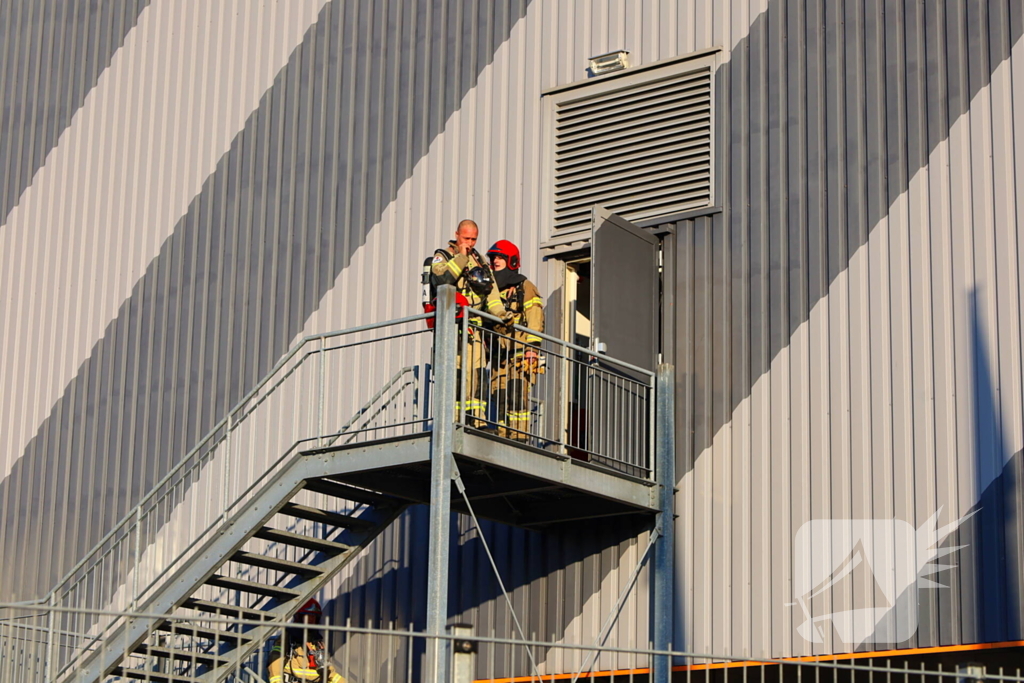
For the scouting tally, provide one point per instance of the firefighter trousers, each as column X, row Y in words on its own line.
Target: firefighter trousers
column 510, row 394
column 469, row 385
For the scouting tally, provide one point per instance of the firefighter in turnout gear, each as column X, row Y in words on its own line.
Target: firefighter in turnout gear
column 302, row 657
column 459, row 264
column 518, row 361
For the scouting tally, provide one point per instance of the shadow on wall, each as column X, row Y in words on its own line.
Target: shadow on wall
column 796, row 213
column 222, row 301
column 45, row 82
column 549, row 575
column 994, row 558
column 827, row 110
column 989, row 561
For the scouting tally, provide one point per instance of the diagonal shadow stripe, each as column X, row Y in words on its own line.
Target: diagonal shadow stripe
column 945, row 56
column 52, row 53
column 830, row 109
column 219, row 303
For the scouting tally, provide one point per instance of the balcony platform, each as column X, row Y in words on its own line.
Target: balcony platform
column 506, row 481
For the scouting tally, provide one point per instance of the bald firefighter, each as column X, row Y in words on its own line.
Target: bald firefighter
column 459, row 264
column 300, row 656
column 518, row 360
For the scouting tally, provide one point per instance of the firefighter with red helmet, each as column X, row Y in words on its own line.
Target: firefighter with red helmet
column 302, row 657
column 518, row 361
column 461, row 265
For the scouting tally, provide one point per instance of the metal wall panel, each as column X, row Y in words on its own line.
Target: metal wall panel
column 847, row 334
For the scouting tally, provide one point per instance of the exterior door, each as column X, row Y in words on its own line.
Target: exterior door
column 624, row 273
column 624, row 308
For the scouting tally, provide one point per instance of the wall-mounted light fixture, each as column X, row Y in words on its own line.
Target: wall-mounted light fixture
column 609, row 62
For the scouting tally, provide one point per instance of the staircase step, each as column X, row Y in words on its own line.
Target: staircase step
column 346, row 492
column 226, row 610
column 276, row 535
column 317, row 515
column 285, row 566
column 182, row 655
column 213, row 635
column 231, row 583
column 153, row 676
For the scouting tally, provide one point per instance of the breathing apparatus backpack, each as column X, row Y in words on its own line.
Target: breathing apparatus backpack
column 430, row 285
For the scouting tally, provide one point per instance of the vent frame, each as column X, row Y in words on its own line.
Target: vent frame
column 670, row 72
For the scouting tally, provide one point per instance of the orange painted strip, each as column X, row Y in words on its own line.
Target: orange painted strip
column 912, row 651
column 560, row 677
column 811, row 658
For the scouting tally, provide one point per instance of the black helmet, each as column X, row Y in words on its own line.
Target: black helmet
column 480, row 280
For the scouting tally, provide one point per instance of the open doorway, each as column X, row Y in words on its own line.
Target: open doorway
column 577, row 329
column 577, row 315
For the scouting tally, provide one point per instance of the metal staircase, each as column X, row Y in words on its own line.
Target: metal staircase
column 248, row 525
column 272, row 556
column 273, row 502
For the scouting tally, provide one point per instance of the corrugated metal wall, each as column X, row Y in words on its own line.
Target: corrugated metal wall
column 848, row 329
column 244, row 173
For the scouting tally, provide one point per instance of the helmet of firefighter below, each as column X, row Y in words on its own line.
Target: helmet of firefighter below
column 309, row 613
column 507, row 251
column 480, row 280
column 306, row 619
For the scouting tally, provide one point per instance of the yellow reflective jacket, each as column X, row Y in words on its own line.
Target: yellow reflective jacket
column 450, row 267
column 527, row 307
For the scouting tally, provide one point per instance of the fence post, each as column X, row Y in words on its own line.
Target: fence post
column 662, row 593
column 463, row 653
column 441, row 444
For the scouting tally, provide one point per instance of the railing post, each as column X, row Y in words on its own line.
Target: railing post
column 440, row 482
column 462, row 397
column 322, row 396
column 136, row 564
column 226, row 470
column 662, row 592
column 48, row 664
column 563, row 400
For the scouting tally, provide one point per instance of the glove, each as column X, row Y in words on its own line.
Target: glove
column 509, row 318
column 531, row 361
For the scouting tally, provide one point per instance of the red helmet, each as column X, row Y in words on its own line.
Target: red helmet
column 309, row 613
column 507, row 251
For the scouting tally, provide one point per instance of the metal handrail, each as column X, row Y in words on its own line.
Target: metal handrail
column 132, row 524
column 569, row 345
column 220, row 425
column 148, row 514
column 625, row 392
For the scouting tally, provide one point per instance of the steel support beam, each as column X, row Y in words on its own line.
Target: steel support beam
column 440, row 483
column 662, row 592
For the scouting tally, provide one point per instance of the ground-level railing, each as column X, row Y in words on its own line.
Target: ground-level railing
column 394, row 653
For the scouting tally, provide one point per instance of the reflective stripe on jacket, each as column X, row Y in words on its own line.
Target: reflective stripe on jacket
column 532, row 313
column 449, row 268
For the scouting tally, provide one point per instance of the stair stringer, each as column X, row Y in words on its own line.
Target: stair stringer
column 236, row 531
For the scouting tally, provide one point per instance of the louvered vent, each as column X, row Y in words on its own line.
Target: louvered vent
column 640, row 151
